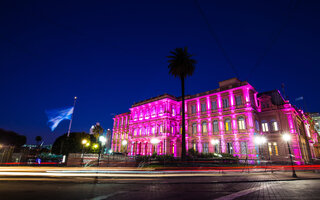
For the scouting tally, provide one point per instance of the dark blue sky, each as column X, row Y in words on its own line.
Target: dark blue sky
column 113, row 53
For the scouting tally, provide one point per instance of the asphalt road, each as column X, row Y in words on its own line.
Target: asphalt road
column 222, row 188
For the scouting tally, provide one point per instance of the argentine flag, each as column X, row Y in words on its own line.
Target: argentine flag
column 57, row 115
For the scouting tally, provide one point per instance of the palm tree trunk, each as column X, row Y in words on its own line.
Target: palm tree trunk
column 183, row 143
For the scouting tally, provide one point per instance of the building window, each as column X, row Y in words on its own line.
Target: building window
column 153, row 111
column 194, row 128
column 204, row 127
column 173, row 112
column 265, row 127
column 194, row 145
column 215, row 126
column 161, row 128
column 193, row 109
column 274, row 126
column 225, row 103
column 205, row 147
column 217, row 148
column 257, row 125
column 141, row 115
column 241, row 123
column 203, row 107
column 243, row 147
column 153, row 130
column 270, row 148
column 227, row 125
column 275, row 149
column 238, row 100
column 161, row 109
column 229, row 148
column 214, row 105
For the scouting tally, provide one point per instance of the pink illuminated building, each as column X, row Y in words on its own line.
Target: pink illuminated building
column 224, row 120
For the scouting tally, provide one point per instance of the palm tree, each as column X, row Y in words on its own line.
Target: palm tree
column 181, row 65
column 38, row 139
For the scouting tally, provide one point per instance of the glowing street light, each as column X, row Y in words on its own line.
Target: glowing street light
column 84, row 141
column 124, row 143
column 102, row 140
column 95, row 146
column 286, row 137
column 154, row 141
column 214, row 141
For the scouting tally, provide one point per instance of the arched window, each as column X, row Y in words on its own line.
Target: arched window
column 173, row 111
column 135, row 132
column 161, row 109
column 227, row 125
column 215, row 126
column 153, row 111
column 147, row 114
column 172, row 128
column 194, row 128
column 241, row 123
column 141, row 115
column 204, row 128
column 135, row 116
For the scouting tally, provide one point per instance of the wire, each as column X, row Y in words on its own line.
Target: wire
column 292, row 7
column 215, row 37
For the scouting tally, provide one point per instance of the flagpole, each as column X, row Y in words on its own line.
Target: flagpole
column 74, row 104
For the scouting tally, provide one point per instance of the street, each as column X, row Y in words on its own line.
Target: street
column 279, row 185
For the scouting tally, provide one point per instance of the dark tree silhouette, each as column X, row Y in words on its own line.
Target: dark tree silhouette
column 181, row 65
column 72, row 144
column 38, row 139
column 12, row 138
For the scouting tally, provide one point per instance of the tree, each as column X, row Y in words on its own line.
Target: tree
column 38, row 139
column 73, row 144
column 181, row 65
column 97, row 130
column 12, row 138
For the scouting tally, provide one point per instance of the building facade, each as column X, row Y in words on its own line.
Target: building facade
column 224, row 120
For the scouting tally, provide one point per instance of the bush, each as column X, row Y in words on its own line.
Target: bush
column 165, row 157
column 192, row 152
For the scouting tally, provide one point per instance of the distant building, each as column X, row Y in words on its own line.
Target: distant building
column 224, row 120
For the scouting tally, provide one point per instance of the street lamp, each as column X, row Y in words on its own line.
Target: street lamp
column 84, row 142
column 215, row 142
column 154, row 141
column 124, row 143
column 286, row 137
column 260, row 140
column 102, row 141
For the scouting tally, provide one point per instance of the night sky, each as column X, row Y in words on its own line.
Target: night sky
column 113, row 53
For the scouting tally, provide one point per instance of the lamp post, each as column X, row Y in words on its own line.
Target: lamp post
column 102, row 141
column 286, row 137
column 84, row 142
column 260, row 140
column 154, row 141
column 215, row 142
column 124, row 143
